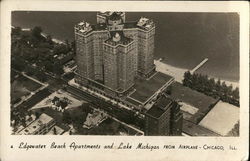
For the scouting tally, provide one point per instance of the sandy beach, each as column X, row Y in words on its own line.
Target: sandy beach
column 178, row 73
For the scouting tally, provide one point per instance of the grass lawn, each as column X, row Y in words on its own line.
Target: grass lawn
column 196, row 99
column 28, row 83
column 21, row 86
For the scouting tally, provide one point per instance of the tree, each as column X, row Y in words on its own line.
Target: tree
column 235, row 93
column 16, row 31
column 48, row 66
column 49, row 40
column 66, row 117
column 58, row 69
column 208, row 86
column 36, row 32
column 18, row 64
column 187, row 79
column 60, row 49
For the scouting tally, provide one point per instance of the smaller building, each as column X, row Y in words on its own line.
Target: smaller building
column 40, row 126
column 163, row 118
column 222, row 118
column 56, row 130
column 94, row 119
column 63, row 58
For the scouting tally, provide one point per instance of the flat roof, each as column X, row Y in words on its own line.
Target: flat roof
column 160, row 106
column 132, row 24
column 196, row 130
column 222, row 118
column 200, row 102
column 123, row 39
column 99, row 27
column 60, row 94
column 145, row 88
column 35, row 125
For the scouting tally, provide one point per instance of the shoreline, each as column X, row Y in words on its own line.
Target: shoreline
column 162, row 67
column 178, row 73
column 57, row 41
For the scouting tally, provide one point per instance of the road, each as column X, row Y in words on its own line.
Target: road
column 113, row 110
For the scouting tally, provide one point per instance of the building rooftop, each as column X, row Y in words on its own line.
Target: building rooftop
column 196, row 130
column 118, row 37
column 83, row 27
column 145, row 23
column 115, row 16
column 99, row 27
column 222, row 118
column 59, row 98
column 146, row 88
column 132, row 24
column 108, row 13
column 35, row 125
column 161, row 105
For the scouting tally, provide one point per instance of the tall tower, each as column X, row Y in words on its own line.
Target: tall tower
column 146, row 33
column 119, row 58
column 114, row 46
column 84, row 52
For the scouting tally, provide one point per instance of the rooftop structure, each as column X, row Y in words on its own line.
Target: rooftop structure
column 60, row 99
column 103, row 16
column 145, row 23
column 222, row 118
column 40, row 126
column 94, row 118
column 118, row 38
column 83, row 27
column 159, row 108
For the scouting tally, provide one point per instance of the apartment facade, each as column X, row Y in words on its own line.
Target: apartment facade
column 113, row 52
column 163, row 118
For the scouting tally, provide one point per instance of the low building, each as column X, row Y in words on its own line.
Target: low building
column 163, row 118
column 56, row 130
column 59, row 100
column 63, row 58
column 40, row 126
column 222, row 118
column 94, row 119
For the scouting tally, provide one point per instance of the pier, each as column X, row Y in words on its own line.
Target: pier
column 199, row 65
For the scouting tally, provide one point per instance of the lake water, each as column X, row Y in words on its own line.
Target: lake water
column 182, row 39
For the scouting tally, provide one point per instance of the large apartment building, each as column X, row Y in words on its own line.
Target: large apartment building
column 111, row 53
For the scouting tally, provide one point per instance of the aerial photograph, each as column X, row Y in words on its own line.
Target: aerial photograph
column 125, row 73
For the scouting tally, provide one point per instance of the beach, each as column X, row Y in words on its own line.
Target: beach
column 178, row 73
